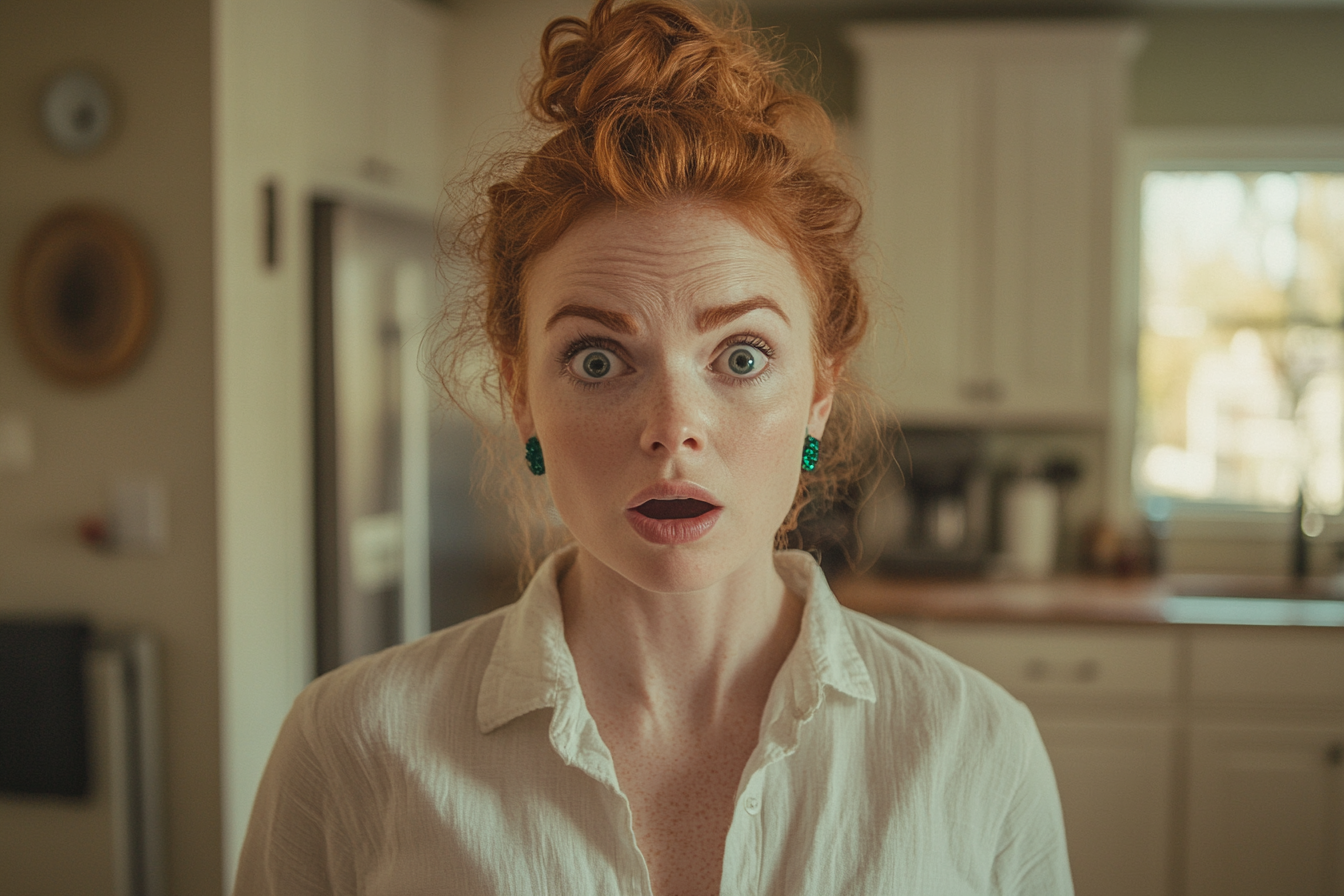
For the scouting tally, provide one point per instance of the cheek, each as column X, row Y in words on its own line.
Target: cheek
column 761, row 445
column 771, row 459
column 584, row 437
column 587, row 433
column 757, row 431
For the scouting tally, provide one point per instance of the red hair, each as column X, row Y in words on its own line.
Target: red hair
column 649, row 102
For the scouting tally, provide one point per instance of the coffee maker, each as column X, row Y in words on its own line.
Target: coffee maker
column 929, row 514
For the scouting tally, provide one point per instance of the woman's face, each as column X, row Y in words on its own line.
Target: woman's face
column 670, row 381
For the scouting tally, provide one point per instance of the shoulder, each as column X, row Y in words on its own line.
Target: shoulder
column 381, row 695
column 976, row 746
column 919, row 685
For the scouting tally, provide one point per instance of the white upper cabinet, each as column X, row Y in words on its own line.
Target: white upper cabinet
column 991, row 153
column 375, row 105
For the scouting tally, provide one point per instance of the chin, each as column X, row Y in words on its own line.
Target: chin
column 671, row 569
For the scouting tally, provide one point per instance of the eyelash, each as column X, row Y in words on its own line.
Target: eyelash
column 586, row 342
column 578, row 345
column 758, row 343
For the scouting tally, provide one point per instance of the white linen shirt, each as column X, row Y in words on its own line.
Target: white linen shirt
column 467, row 763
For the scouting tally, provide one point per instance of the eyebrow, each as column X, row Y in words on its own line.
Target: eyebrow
column 722, row 314
column 705, row 321
column 612, row 320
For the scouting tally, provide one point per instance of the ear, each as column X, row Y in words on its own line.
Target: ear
column 522, row 411
column 822, row 401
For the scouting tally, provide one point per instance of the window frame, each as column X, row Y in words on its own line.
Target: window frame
column 1189, row 149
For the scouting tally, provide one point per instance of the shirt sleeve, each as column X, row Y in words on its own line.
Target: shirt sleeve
column 295, row 843
column 1033, row 855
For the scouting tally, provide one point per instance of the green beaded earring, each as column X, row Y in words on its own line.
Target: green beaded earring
column 811, row 448
column 535, row 462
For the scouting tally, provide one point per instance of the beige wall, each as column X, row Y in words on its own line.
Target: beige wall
column 1241, row 68
column 158, row 420
column 263, row 440
column 493, row 43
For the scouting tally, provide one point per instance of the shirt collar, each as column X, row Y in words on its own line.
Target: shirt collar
column 824, row 654
column 531, row 663
column 531, row 667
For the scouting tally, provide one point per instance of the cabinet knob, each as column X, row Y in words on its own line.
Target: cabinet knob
column 981, row 391
column 1086, row 670
column 1334, row 754
column 1081, row 672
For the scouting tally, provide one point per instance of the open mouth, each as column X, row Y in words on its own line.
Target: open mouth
column 673, row 508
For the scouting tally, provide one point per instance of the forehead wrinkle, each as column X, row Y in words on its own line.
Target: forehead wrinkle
column 657, row 280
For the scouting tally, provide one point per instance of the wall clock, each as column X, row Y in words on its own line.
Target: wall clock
column 77, row 112
column 83, row 298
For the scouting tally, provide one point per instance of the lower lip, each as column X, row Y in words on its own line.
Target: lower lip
column 680, row 531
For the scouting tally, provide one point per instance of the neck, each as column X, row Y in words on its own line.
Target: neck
column 691, row 658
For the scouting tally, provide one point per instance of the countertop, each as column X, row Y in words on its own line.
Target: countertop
column 1175, row 600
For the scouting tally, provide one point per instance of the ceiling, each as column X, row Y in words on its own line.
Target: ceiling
column 828, row 9
column 865, row 7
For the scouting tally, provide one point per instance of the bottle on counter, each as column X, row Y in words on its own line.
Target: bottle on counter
column 1030, row 528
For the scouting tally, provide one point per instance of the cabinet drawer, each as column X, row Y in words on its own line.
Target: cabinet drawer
column 1064, row 661
column 1258, row 664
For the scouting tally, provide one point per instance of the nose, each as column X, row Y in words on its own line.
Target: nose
column 674, row 416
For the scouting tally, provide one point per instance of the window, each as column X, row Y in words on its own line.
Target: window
column 1241, row 338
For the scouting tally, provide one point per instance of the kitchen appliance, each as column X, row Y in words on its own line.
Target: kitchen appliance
column 930, row 512
column 402, row 544
column 1030, row 527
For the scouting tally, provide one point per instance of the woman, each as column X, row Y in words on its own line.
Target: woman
column 672, row 707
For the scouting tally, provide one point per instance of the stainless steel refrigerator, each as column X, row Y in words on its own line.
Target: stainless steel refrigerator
column 403, row 545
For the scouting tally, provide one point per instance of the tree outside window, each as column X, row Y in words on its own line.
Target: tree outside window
column 1241, row 344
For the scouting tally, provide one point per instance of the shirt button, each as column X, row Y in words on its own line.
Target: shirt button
column 752, row 805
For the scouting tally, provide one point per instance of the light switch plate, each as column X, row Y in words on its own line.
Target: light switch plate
column 139, row 518
column 17, row 454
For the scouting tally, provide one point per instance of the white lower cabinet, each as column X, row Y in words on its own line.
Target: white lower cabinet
column 1115, row 783
column 1266, row 812
column 1104, row 701
column 1266, row 786
column 1201, row 761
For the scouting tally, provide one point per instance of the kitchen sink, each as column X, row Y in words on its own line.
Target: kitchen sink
column 1256, row 586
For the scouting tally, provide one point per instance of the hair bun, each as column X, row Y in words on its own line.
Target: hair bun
column 653, row 54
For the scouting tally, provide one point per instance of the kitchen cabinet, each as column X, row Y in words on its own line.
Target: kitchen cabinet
column 1116, row 789
column 1104, row 701
column 991, row 155
column 374, row 106
column 1191, row 760
column 1266, row 801
column 1265, row 809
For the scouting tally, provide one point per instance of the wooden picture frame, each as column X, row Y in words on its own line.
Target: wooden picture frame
column 83, row 296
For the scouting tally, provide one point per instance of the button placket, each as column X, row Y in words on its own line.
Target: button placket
column 742, row 857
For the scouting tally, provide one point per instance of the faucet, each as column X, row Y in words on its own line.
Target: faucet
column 1298, row 559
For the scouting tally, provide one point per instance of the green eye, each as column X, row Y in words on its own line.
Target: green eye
column 595, row 364
column 742, row 361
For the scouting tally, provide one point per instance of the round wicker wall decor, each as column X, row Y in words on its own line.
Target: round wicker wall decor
column 83, row 297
